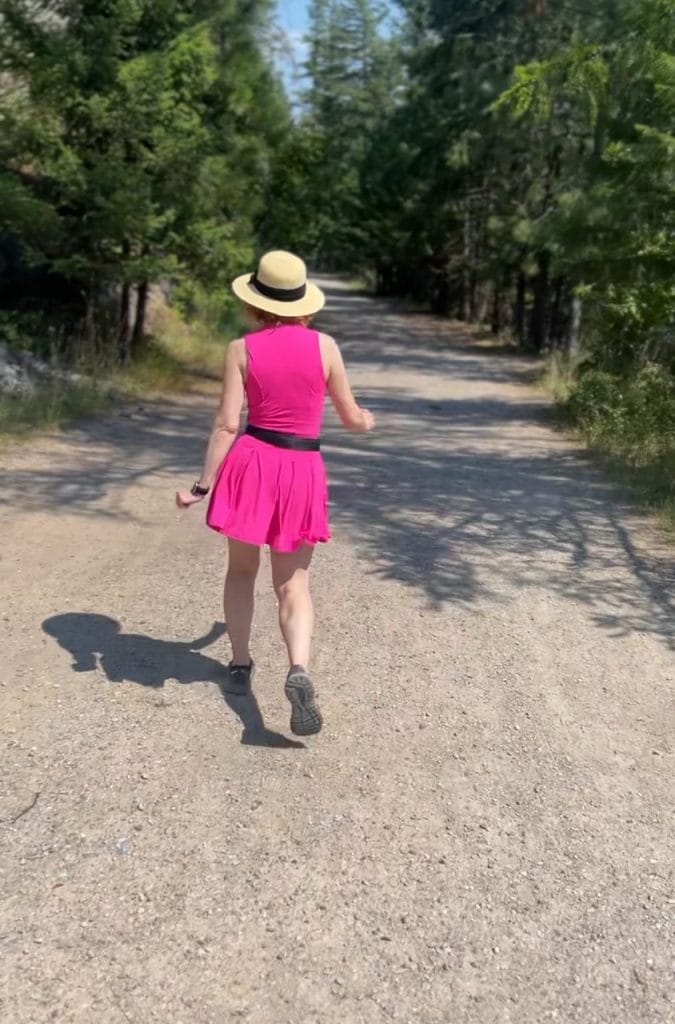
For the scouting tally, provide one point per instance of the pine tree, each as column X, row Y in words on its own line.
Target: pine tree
column 351, row 75
column 138, row 125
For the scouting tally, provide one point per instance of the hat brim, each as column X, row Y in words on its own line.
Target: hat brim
column 312, row 301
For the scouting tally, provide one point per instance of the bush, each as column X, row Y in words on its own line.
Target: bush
column 632, row 421
column 215, row 308
column 52, row 405
column 635, row 416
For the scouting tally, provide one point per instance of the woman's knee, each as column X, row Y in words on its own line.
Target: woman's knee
column 290, row 573
column 297, row 586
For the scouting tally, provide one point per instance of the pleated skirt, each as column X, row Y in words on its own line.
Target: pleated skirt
column 269, row 495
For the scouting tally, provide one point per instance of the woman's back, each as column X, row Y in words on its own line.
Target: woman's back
column 285, row 380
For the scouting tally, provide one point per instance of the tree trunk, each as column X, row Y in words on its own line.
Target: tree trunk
column 482, row 302
column 473, row 298
column 574, row 334
column 519, row 310
column 139, row 322
column 91, row 309
column 124, row 324
column 468, row 282
column 539, row 319
column 496, row 310
column 556, row 326
column 385, row 277
column 440, row 299
column 124, row 328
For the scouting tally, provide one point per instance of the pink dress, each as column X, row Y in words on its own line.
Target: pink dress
column 269, row 495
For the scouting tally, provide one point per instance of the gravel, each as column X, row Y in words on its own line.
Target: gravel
column 483, row 831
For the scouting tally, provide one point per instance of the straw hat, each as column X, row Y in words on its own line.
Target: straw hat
column 280, row 286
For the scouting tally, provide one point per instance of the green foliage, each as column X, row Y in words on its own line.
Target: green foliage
column 318, row 203
column 635, row 416
column 49, row 407
column 504, row 158
column 518, row 168
column 631, row 421
column 136, row 143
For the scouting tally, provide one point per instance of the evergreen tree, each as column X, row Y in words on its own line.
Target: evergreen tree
column 516, row 176
column 138, row 126
column 352, row 75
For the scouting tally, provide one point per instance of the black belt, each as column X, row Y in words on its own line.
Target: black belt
column 281, row 440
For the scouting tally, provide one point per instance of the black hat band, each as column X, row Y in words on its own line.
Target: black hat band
column 279, row 294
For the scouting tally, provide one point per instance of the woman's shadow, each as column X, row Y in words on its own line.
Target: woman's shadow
column 97, row 640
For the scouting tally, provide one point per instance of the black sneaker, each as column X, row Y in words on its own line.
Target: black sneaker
column 238, row 679
column 306, row 719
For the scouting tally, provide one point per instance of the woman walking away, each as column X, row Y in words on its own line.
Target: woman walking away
column 268, row 485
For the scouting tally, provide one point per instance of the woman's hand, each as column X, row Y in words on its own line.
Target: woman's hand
column 184, row 498
column 367, row 421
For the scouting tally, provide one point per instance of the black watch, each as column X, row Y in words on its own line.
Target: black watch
column 199, row 492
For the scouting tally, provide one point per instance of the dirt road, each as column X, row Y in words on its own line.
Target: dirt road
column 483, row 832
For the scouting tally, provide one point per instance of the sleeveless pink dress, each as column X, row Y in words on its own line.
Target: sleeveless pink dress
column 269, row 495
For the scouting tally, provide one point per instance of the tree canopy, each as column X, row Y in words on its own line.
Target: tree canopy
column 136, row 140
column 502, row 160
column 508, row 161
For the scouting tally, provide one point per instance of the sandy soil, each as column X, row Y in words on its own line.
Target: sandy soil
column 483, row 832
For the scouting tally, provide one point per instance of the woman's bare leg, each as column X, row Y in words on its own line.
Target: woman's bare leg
column 290, row 576
column 242, row 568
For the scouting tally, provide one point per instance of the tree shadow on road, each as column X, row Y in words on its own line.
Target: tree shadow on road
column 466, row 499
column 98, row 456
column 451, row 511
column 372, row 332
column 471, row 499
column 98, row 641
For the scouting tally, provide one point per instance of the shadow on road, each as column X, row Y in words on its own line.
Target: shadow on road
column 462, row 498
column 158, row 438
column 470, row 498
column 97, row 640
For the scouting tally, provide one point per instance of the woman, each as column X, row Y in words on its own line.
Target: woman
column 268, row 486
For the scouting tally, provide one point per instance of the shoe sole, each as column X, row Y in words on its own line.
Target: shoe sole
column 237, row 691
column 306, row 719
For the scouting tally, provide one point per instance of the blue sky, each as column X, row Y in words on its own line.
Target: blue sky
column 292, row 19
column 293, row 14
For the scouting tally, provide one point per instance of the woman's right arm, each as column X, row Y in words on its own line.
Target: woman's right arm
column 352, row 415
column 226, row 423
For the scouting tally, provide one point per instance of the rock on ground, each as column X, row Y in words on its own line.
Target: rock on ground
column 22, row 373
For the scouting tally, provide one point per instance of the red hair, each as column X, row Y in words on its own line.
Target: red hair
column 266, row 319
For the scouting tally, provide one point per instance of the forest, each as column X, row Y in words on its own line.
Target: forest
column 509, row 163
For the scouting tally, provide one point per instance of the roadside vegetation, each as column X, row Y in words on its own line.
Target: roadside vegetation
column 501, row 163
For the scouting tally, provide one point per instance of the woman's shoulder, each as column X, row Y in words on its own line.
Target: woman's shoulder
column 236, row 347
column 328, row 345
column 236, row 353
column 329, row 353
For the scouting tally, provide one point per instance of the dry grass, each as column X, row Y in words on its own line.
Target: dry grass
column 50, row 407
column 558, row 377
column 179, row 357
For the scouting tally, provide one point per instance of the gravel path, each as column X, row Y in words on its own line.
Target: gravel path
column 483, row 832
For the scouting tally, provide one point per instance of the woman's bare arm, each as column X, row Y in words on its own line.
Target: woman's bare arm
column 226, row 422
column 350, row 412
column 227, row 419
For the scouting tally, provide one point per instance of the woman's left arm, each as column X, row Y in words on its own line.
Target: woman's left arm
column 226, row 423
